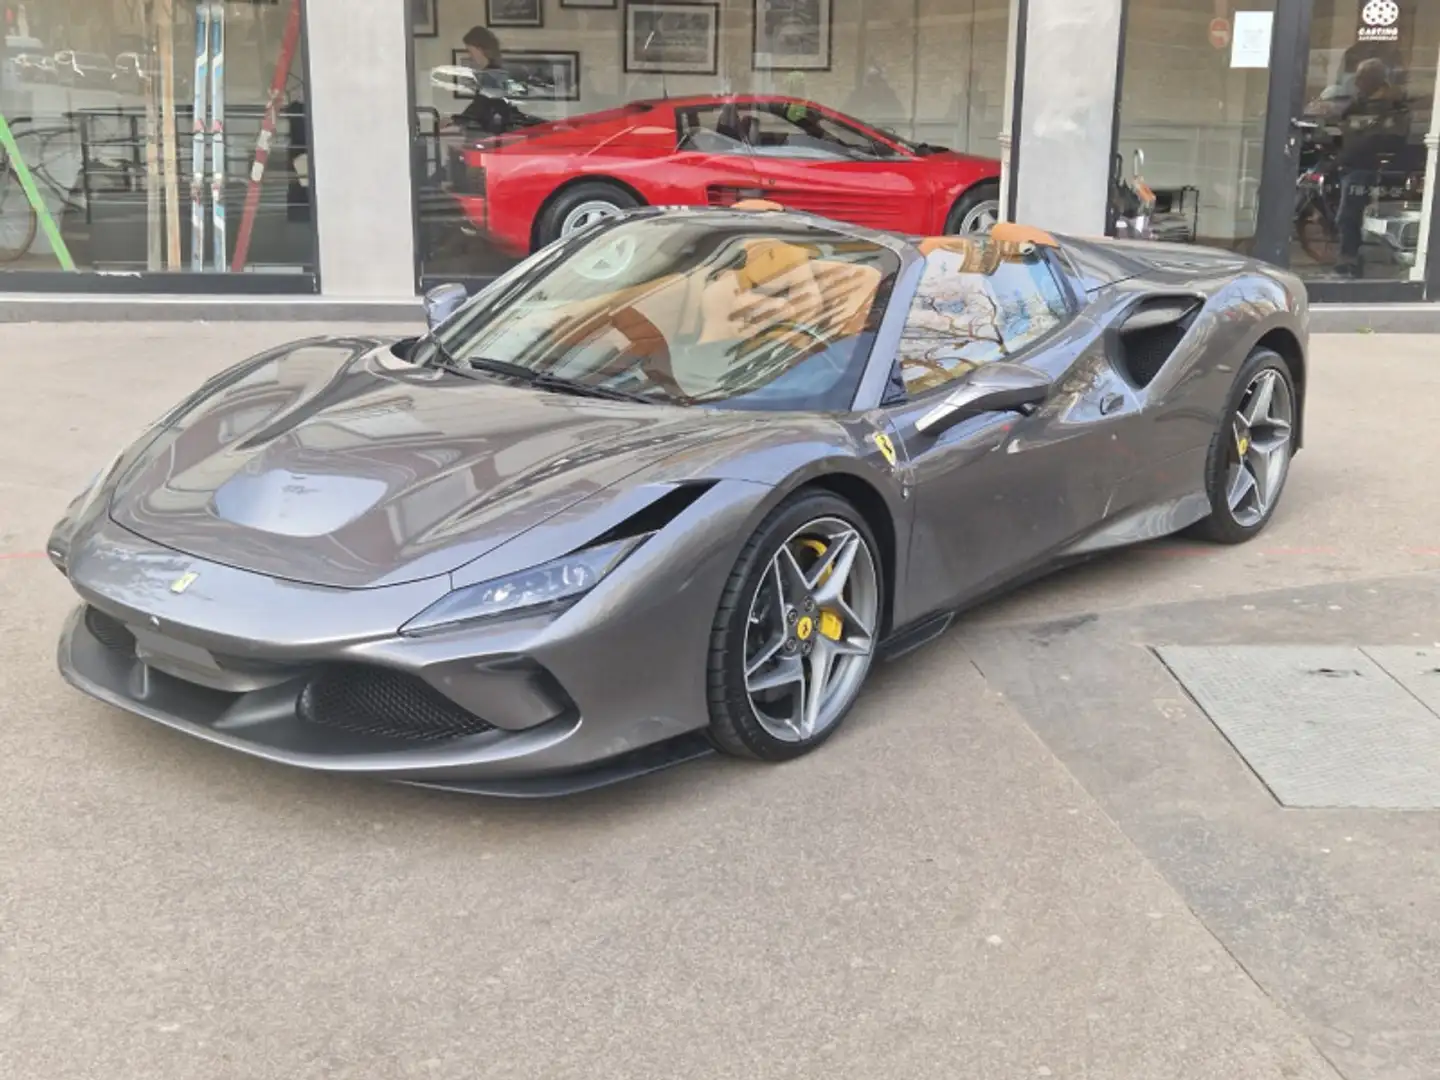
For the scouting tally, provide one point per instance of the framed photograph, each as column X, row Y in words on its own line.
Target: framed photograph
column 543, row 75
column 591, row 5
column 423, row 20
column 791, row 35
column 514, row 13
column 668, row 37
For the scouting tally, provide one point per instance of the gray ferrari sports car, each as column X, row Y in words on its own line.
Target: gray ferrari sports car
column 671, row 485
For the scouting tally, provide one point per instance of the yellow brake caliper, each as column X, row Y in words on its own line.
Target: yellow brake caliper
column 831, row 624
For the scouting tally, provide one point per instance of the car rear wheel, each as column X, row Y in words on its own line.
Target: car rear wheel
column 975, row 212
column 581, row 206
column 1250, row 456
column 795, row 634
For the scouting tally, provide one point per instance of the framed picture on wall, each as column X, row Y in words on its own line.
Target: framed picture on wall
column 423, row 20
column 791, row 35
column 543, row 75
column 514, row 13
column 670, row 37
column 591, row 5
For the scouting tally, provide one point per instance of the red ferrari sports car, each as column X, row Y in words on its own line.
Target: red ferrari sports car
column 526, row 188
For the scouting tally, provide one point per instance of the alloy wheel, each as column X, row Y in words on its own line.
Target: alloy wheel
column 1260, row 455
column 981, row 218
column 587, row 214
column 811, row 631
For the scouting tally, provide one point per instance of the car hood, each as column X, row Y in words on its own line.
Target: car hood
column 334, row 463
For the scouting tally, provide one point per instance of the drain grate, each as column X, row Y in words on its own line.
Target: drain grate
column 1324, row 726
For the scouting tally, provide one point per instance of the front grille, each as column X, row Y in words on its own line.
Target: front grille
column 380, row 703
column 109, row 631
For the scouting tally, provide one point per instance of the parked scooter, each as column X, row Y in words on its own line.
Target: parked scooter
column 1132, row 202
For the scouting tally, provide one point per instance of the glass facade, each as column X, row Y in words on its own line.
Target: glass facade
column 1197, row 82
column 534, row 117
column 154, row 136
column 1370, row 85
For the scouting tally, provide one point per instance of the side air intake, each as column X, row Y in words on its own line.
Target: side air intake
column 1151, row 333
column 659, row 513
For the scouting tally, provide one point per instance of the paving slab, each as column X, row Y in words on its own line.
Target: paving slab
column 1323, row 726
column 1332, row 911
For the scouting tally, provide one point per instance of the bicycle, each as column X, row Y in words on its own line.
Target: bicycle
column 18, row 221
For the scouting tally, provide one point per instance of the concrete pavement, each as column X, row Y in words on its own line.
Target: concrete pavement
column 981, row 876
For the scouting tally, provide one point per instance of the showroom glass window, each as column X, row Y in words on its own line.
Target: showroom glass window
column 535, row 117
column 101, row 165
column 1195, row 90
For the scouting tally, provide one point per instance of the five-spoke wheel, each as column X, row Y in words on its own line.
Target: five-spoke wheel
column 796, row 631
column 1262, row 448
column 1250, row 458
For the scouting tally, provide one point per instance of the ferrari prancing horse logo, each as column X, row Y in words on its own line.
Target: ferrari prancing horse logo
column 184, row 582
column 885, row 446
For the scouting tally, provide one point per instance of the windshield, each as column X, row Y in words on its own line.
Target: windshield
column 689, row 310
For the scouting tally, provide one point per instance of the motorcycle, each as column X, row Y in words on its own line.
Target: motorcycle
column 1132, row 201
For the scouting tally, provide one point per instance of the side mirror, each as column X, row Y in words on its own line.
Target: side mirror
column 997, row 387
column 443, row 301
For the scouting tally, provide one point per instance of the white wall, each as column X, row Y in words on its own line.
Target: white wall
column 360, row 134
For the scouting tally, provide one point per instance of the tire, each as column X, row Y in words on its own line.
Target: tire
column 747, row 624
column 971, row 205
column 1228, row 524
column 18, row 222
column 567, row 211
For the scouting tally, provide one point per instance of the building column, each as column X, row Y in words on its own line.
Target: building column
column 359, row 110
column 1067, row 113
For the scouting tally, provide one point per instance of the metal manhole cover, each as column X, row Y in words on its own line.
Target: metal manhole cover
column 1324, row 726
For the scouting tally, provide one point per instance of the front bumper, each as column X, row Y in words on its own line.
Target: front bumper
column 612, row 688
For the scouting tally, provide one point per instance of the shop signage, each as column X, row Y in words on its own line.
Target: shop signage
column 1380, row 19
column 1219, row 33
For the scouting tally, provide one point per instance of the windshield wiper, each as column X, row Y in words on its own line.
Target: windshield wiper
column 545, row 380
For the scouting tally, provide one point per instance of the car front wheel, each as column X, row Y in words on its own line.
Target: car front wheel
column 796, row 631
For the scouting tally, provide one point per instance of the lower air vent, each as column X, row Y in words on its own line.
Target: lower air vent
column 382, row 704
column 109, row 631
column 1152, row 332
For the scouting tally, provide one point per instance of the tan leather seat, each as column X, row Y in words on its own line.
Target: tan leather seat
column 1012, row 232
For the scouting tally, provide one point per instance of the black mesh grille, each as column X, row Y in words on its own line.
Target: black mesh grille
column 385, row 704
column 109, row 631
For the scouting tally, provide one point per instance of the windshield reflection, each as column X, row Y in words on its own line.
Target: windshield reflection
column 688, row 312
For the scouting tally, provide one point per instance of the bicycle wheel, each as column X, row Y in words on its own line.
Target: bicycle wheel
column 17, row 217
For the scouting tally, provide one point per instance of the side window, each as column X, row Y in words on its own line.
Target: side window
column 977, row 302
column 711, row 129
column 796, row 130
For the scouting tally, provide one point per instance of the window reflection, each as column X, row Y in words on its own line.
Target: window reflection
column 978, row 301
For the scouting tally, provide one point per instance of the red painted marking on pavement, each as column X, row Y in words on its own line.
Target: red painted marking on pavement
column 22, row 555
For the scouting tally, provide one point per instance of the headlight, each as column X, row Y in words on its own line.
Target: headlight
column 551, row 585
